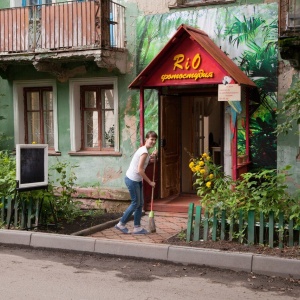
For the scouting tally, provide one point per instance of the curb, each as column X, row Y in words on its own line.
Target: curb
column 259, row 264
column 100, row 227
column 96, row 228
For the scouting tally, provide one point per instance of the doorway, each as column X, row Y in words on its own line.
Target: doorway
column 189, row 126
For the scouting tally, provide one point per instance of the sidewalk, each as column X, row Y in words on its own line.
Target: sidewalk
column 112, row 242
column 167, row 225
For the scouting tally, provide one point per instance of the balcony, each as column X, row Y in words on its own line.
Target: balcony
column 289, row 31
column 64, row 32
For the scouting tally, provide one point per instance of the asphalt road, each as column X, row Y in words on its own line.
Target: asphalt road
column 49, row 274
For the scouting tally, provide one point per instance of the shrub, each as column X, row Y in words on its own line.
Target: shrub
column 262, row 191
column 7, row 174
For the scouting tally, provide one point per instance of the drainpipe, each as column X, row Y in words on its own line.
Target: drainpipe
column 142, row 120
column 234, row 153
column 247, row 125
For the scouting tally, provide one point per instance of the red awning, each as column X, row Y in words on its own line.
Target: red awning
column 189, row 58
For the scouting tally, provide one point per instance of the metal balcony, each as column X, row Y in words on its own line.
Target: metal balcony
column 63, row 31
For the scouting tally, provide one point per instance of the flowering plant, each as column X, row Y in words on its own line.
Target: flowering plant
column 213, row 186
column 263, row 191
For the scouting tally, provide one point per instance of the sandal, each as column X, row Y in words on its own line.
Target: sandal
column 124, row 230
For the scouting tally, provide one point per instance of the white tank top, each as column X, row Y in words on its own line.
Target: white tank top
column 132, row 172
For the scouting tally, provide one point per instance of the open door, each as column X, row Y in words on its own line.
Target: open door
column 170, row 124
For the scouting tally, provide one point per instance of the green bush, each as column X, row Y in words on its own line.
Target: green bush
column 261, row 191
column 58, row 202
column 7, row 174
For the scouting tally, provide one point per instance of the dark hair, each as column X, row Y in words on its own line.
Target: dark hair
column 151, row 134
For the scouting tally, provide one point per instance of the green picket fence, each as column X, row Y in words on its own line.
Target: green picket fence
column 269, row 230
column 20, row 213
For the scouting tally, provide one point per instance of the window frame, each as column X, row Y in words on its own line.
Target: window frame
column 19, row 118
column 99, row 109
column 75, row 115
column 41, row 112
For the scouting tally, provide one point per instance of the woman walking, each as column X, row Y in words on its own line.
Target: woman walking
column 134, row 182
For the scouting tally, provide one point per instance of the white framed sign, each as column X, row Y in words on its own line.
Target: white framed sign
column 32, row 166
column 229, row 92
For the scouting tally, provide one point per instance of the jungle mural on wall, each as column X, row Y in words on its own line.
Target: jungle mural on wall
column 248, row 35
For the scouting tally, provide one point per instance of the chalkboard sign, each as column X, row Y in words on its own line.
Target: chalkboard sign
column 32, row 166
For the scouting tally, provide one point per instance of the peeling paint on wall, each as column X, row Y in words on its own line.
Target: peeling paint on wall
column 111, row 174
column 129, row 131
column 154, row 6
column 285, row 78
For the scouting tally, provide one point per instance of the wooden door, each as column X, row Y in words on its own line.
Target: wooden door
column 170, row 124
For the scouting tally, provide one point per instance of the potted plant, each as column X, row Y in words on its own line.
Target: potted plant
column 110, row 136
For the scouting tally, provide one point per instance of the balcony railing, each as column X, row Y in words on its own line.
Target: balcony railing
column 67, row 26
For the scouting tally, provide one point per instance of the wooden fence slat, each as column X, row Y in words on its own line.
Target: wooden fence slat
column 281, row 229
column 223, row 225
column 241, row 225
column 291, row 233
column 197, row 223
column 231, row 225
column 205, row 226
column 37, row 213
column 9, row 210
column 261, row 228
column 251, row 227
column 215, row 225
column 190, row 222
column 16, row 211
column 2, row 208
column 23, row 212
column 271, row 229
column 29, row 213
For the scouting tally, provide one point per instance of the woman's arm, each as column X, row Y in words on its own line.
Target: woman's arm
column 141, row 169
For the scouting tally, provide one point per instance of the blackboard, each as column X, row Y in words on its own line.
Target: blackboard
column 32, row 166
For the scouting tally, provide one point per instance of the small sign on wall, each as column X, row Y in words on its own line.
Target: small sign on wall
column 229, row 92
column 32, row 166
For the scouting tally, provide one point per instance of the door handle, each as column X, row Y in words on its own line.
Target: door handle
column 163, row 143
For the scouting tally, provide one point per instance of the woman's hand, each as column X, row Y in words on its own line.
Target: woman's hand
column 153, row 156
column 152, row 183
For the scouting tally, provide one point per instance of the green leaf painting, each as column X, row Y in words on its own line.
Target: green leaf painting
column 248, row 35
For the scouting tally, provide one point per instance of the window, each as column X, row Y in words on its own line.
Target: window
column 97, row 117
column 38, row 116
column 36, row 2
column 94, row 116
column 294, row 14
column 35, row 113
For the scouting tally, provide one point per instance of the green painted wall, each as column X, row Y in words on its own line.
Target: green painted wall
column 4, row 4
column 104, row 171
column 6, row 111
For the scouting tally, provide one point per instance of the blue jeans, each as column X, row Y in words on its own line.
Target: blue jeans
column 137, row 201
